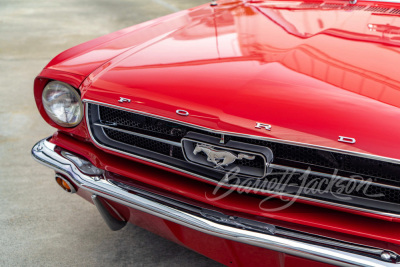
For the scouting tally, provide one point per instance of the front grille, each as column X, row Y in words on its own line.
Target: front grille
column 158, row 128
column 342, row 179
column 132, row 140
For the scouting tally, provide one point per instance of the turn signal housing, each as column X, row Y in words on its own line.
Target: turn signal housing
column 65, row 184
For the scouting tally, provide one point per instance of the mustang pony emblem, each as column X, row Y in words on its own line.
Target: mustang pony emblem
column 220, row 158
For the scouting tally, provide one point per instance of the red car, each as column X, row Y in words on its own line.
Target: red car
column 257, row 133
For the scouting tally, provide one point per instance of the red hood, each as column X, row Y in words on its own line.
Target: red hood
column 313, row 74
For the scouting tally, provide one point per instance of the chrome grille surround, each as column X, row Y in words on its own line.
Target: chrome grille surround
column 173, row 159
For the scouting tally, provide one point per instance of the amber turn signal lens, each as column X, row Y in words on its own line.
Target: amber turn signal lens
column 64, row 184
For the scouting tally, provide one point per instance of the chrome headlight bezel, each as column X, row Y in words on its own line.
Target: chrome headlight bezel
column 62, row 104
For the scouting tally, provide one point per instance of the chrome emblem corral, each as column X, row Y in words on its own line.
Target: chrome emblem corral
column 220, row 158
column 122, row 100
column 230, row 157
column 349, row 140
column 260, row 125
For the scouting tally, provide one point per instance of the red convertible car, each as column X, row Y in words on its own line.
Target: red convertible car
column 257, row 133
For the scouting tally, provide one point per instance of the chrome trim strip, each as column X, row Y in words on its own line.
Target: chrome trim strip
column 44, row 152
column 239, row 187
column 352, row 153
column 332, row 242
column 177, row 144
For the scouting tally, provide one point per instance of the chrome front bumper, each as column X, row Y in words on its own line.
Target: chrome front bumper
column 45, row 153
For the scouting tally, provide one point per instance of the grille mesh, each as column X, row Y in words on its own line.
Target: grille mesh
column 395, row 11
column 331, row 160
column 377, row 9
column 145, row 143
column 347, row 187
column 344, row 6
column 157, row 127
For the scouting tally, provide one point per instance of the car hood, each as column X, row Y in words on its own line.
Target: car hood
column 312, row 72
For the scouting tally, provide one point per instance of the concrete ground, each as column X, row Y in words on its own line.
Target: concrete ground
column 40, row 224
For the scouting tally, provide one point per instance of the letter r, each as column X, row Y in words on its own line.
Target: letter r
column 260, row 125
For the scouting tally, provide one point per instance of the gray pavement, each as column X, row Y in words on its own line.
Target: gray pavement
column 40, row 224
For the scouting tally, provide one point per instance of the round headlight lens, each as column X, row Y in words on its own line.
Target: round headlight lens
column 62, row 103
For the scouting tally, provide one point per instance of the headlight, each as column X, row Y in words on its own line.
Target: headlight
column 62, row 103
